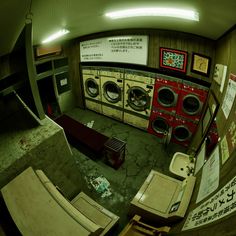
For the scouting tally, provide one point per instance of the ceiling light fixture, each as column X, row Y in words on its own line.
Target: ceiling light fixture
column 156, row 11
column 56, row 35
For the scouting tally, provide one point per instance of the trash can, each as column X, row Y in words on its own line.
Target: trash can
column 114, row 152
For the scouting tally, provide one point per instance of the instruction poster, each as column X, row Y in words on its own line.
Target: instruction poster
column 218, row 206
column 229, row 96
column 126, row 49
column 224, row 150
column 210, row 176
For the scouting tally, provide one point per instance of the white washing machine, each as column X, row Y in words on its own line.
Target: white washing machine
column 112, row 87
column 92, row 89
column 138, row 96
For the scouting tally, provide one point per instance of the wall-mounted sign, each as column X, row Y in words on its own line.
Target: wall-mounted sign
column 228, row 143
column 218, row 206
column 229, row 96
column 210, row 176
column 125, row 49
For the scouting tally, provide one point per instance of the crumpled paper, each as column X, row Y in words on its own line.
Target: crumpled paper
column 101, row 185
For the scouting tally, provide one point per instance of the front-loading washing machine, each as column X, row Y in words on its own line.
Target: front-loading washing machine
column 191, row 100
column 138, row 96
column 92, row 89
column 183, row 130
column 160, row 122
column 167, row 90
column 112, row 86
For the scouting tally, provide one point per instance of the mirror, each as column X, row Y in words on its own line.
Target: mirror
column 207, row 126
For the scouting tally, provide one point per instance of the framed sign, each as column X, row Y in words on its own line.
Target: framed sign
column 125, row 49
column 173, row 59
column 200, row 64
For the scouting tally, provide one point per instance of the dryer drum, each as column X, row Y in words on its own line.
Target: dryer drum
column 191, row 104
column 182, row 133
column 160, row 125
column 112, row 92
column 166, row 97
column 138, row 98
column 92, row 87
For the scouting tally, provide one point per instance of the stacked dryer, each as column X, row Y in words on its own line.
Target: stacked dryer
column 112, row 87
column 92, row 91
column 190, row 104
column 164, row 106
column 138, row 96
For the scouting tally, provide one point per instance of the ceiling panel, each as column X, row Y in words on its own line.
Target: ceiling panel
column 216, row 17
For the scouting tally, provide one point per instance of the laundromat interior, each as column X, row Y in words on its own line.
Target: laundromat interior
column 118, row 118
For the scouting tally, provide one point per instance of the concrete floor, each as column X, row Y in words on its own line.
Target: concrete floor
column 144, row 152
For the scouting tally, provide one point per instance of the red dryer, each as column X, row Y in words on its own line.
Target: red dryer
column 166, row 93
column 160, row 122
column 183, row 130
column 191, row 100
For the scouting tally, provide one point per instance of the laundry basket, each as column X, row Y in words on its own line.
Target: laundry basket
column 114, row 152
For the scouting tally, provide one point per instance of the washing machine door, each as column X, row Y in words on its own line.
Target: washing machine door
column 112, row 92
column 92, row 87
column 166, row 97
column 191, row 104
column 160, row 125
column 181, row 133
column 138, row 98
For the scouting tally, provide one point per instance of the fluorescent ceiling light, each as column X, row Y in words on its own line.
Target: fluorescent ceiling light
column 56, row 35
column 156, row 11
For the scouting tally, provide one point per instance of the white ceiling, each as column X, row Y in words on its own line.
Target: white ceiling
column 86, row 17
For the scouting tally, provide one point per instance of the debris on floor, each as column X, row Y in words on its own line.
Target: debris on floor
column 90, row 124
column 100, row 184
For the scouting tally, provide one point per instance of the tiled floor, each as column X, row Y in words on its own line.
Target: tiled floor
column 144, row 152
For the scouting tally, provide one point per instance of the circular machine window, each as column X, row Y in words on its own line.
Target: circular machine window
column 160, row 125
column 182, row 133
column 92, row 87
column 191, row 105
column 166, row 97
column 138, row 98
column 112, row 92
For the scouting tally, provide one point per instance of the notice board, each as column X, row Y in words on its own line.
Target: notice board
column 125, row 49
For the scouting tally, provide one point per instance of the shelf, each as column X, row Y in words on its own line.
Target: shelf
column 45, row 74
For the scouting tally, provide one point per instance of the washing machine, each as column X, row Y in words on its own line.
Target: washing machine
column 138, row 96
column 183, row 130
column 92, row 89
column 167, row 90
column 112, row 86
column 160, row 122
column 191, row 100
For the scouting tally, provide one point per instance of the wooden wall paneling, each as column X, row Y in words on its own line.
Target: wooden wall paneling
column 225, row 54
column 157, row 38
column 153, row 53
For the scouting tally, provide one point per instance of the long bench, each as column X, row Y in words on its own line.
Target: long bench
column 79, row 134
column 38, row 208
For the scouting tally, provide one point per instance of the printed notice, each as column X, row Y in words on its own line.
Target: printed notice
column 200, row 158
column 126, row 49
column 218, row 206
column 229, row 96
column 224, row 150
column 210, row 176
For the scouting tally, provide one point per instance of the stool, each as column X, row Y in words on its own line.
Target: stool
column 114, row 152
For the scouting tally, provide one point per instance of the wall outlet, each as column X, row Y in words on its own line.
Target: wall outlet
column 220, row 75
